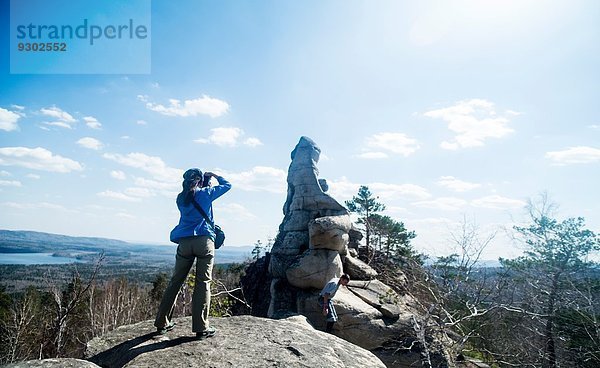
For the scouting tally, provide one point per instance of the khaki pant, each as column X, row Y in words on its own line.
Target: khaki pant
column 203, row 250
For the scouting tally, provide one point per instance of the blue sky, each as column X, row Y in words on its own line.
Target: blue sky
column 445, row 110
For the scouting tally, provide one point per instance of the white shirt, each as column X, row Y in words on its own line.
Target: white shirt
column 331, row 288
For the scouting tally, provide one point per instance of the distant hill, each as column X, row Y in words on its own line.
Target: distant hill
column 115, row 251
column 34, row 242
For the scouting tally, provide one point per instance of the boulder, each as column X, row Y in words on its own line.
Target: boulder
column 358, row 270
column 358, row 322
column 294, row 243
column 329, row 232
column 355, row 237
column 278, row 265
column 53, row 363
column 314, row 269
column 297, row 221
column 380, row 296
column 242, row 341
column 282, row 299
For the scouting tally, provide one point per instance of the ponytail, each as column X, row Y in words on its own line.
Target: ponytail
column 187, row 194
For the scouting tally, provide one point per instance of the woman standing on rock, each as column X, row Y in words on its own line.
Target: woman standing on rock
column 196, row 241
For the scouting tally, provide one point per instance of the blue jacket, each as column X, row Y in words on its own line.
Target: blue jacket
column 191, row 222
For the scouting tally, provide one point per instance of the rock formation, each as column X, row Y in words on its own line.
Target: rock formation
column 53, row 363
column 316, row 242
column 313, row 238
column 242, row 341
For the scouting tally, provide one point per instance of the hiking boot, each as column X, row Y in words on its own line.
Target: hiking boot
column 165, row 329
column 209, row 332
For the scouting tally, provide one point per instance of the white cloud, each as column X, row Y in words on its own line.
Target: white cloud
column 33, row 176
column 38, row 159
column 253, row 142
column 18, row 107
column 92, row 122
column 432, row 221
column 139, row 192
column 397, row 143
column 228, row 137
column 455, row 184
column 473, row 121
column 574, row 155
column 141, row 122
column 442, row 203
column 236, row 211
column 118, row 196
column 372, row 155
column 8, row 120
column 497, row 202
column 158, row 185
column 204, row 105
column 118, row 174
column 10, row 183
column 259, row 178
column 125, row 215
column 62, row 118
column 395, row 210
column 594, row 126
column 399, row 191
column 90, row 143
column 34, row 206
column 58, row 114
column 154, row 166
column 5, row 173
column 60, row 124
column 343, row 189
column 223, row 137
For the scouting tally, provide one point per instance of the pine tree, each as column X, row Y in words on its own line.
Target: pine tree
column 365, row 205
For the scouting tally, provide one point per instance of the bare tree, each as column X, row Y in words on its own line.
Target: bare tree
column 66, row 302
column 448, row 296
column 18, row 327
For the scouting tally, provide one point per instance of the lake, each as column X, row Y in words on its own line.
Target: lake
column 34, row 258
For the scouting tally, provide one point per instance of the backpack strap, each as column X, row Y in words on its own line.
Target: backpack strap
column 212, row 224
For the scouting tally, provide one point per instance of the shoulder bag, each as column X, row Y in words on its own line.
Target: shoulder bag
column 219, row 234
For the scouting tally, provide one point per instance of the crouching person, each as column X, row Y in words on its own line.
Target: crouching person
column 326, row 296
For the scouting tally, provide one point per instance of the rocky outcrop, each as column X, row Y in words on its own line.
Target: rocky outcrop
column 316, row 242
column 53, row 363
column 242, row 341
column 303, row 258
column 355, row 237
column 359, row 270
column 381, row 297
column 330, row 232
column 314, row 268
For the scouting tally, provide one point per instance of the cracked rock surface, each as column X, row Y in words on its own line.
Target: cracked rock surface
column 53, row 363
column 241, row 341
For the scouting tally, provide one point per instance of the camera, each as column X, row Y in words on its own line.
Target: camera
column 206, row 181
